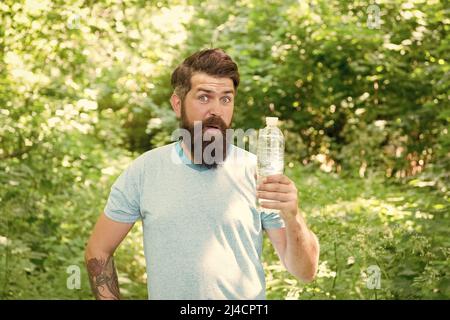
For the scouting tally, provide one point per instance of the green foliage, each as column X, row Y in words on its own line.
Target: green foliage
column 361, row 223
column 320, row 68
column 84, row 88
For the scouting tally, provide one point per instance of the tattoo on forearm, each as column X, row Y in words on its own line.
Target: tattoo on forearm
column 103, row 278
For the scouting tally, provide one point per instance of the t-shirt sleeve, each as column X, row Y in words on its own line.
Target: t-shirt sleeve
column 271, row 220
column 123, row 203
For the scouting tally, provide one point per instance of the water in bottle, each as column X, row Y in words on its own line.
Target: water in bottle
column 270, row 151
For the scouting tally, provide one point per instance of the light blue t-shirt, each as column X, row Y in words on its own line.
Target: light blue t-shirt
column 202, row 231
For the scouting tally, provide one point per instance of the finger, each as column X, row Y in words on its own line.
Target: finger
column 276, row 187
column 273, row 205
column 280, row 178
column 276, row 196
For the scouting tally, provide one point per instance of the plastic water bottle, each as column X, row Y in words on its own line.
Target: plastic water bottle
column 270, row 151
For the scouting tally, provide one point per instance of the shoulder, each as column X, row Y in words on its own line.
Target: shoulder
column 241, row 163
column 242, row 156
column 156, row 153
column 152, row 158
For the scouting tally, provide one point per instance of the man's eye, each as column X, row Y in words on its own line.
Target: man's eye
column 226, row 99
column 203, row 98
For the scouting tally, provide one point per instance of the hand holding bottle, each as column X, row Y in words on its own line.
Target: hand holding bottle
column 280, row 193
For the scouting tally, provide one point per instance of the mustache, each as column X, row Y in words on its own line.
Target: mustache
column 215, row 122
column 197, row 136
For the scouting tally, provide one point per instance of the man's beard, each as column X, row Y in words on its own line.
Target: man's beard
column 212, row 151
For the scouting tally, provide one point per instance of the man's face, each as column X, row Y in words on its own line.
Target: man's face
column 209, row 103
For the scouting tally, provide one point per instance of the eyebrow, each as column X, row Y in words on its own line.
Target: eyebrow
column 211, row 91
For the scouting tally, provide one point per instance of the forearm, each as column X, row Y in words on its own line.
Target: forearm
column 302, row 249
column 102, row 275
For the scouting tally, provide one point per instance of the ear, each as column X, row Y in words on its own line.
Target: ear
column 175, row 101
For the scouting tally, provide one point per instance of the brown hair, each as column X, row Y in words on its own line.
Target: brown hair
column 214, row 62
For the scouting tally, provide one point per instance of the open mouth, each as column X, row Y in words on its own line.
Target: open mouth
column 212, row 129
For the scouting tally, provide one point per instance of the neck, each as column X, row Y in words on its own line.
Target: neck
column 186, row 151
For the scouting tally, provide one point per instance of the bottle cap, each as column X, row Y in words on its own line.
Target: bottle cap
column 271, row 121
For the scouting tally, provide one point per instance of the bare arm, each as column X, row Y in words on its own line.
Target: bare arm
column 105, row 238
column 297, row 247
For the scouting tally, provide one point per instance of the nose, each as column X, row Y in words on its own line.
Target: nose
column 216, row 109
